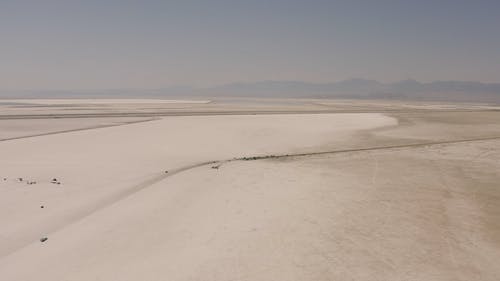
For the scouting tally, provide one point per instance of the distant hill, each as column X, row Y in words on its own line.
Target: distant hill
column 459, row 91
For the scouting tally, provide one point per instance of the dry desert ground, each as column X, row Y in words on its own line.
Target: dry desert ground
column 249, row 189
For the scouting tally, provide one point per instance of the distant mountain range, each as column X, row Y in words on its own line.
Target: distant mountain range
column 368, row 89
column 461, row 91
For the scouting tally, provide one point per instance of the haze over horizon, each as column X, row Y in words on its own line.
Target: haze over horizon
column 84, row 45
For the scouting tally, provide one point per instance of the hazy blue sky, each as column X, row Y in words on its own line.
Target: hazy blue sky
column 149, row 44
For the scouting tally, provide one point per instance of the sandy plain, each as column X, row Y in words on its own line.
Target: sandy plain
column 388, row 192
